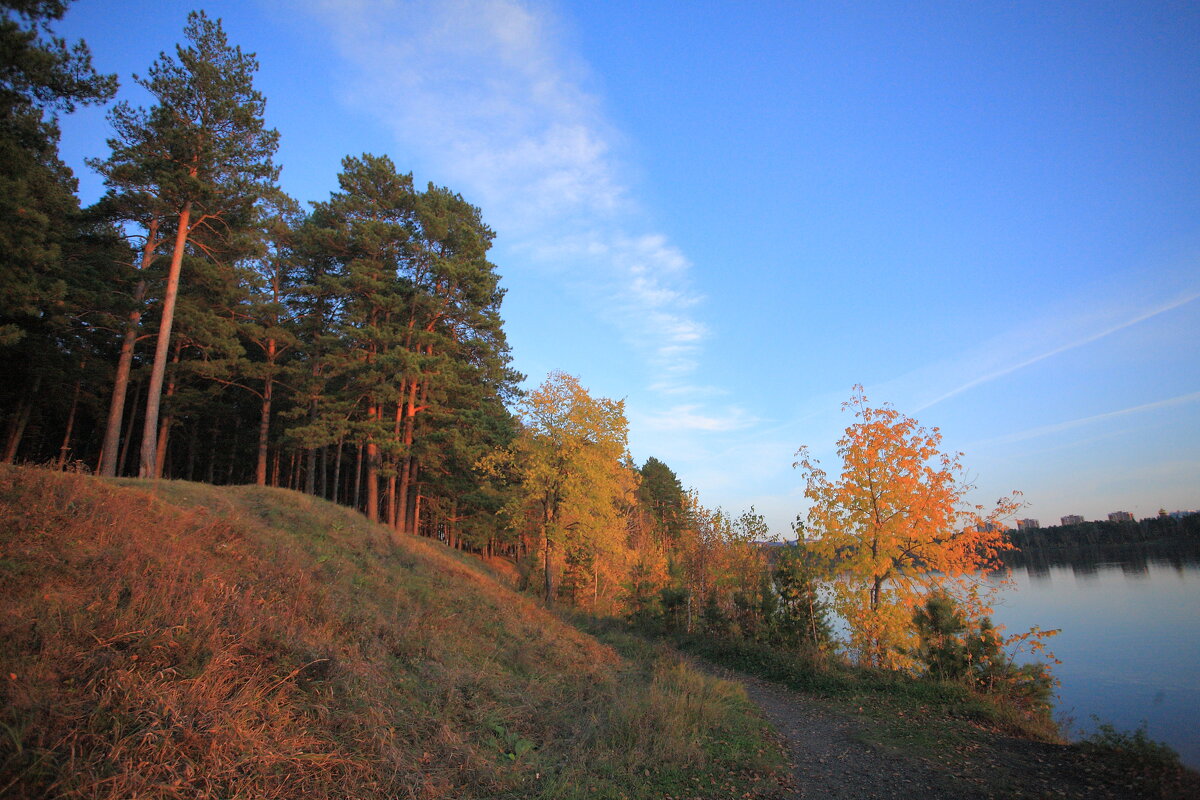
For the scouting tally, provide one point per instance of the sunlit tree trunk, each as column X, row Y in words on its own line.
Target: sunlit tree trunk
column 413, row 405
column 406, row 464
column 164, row 426
column 264, row 420
column 146, row 468
column 372, row 471
column 116, row 408
column 395, row 504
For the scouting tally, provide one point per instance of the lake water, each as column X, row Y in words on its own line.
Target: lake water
column 1130, row 641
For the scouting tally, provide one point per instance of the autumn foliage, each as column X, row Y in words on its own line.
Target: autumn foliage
column 897, row 524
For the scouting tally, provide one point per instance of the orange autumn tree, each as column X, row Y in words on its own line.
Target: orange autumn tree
column 896, row 525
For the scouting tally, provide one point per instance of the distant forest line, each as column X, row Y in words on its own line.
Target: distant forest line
column 1160, row 539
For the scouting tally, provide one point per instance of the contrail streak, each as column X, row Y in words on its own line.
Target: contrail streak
column 991, row 376
column 1075, row 423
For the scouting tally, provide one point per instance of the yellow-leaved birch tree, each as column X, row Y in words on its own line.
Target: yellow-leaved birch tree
column 569, row 457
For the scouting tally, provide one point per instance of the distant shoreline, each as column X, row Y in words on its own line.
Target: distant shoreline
column 1176, row 551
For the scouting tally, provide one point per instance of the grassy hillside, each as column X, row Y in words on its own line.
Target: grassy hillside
column 182, row 640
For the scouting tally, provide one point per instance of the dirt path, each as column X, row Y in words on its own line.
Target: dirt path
column 832, row 757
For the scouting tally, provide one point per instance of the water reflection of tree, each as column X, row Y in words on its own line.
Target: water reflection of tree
column 1135, row 569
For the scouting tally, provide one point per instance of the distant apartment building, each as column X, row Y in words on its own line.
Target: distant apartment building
column 1027, row 524
column 1072, row 519
column 1120, row 516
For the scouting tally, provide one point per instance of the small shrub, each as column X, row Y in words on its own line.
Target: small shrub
column 674, row 600
column 953, row 648
column 802, row 619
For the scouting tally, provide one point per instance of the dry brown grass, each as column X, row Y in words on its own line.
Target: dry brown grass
column 180, row 640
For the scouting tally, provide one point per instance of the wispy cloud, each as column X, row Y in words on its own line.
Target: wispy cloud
column 1059, row 427
column 486, row 92
column 1004, row 356
column 483, row 89
column 693, row 418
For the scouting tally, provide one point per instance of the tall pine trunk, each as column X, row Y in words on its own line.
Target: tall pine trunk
column 407, row 474
column 372, row 476
column 146, row 468
column 130, row 427
column 337, row 472
column 19, row 420
column 323, row 472
column 112, row 429
column 264, row 420
column 65, row 449
column 310, row 471
column 395, row 505
column 164, row 426
column 390, row 519
column 358, row 462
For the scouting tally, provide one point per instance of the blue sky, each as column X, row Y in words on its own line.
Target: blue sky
column 730, row 213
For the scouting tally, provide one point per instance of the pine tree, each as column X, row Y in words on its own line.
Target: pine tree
column 461, row 353
column 802, row 618
column 367, row 227
column 195, row 163
column 420, row 349
column 662, row 495
column 40, row 77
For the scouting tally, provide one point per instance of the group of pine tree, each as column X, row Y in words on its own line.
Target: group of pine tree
column 196, row 323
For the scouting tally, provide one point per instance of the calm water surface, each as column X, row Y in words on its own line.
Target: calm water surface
column 1130, row 642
